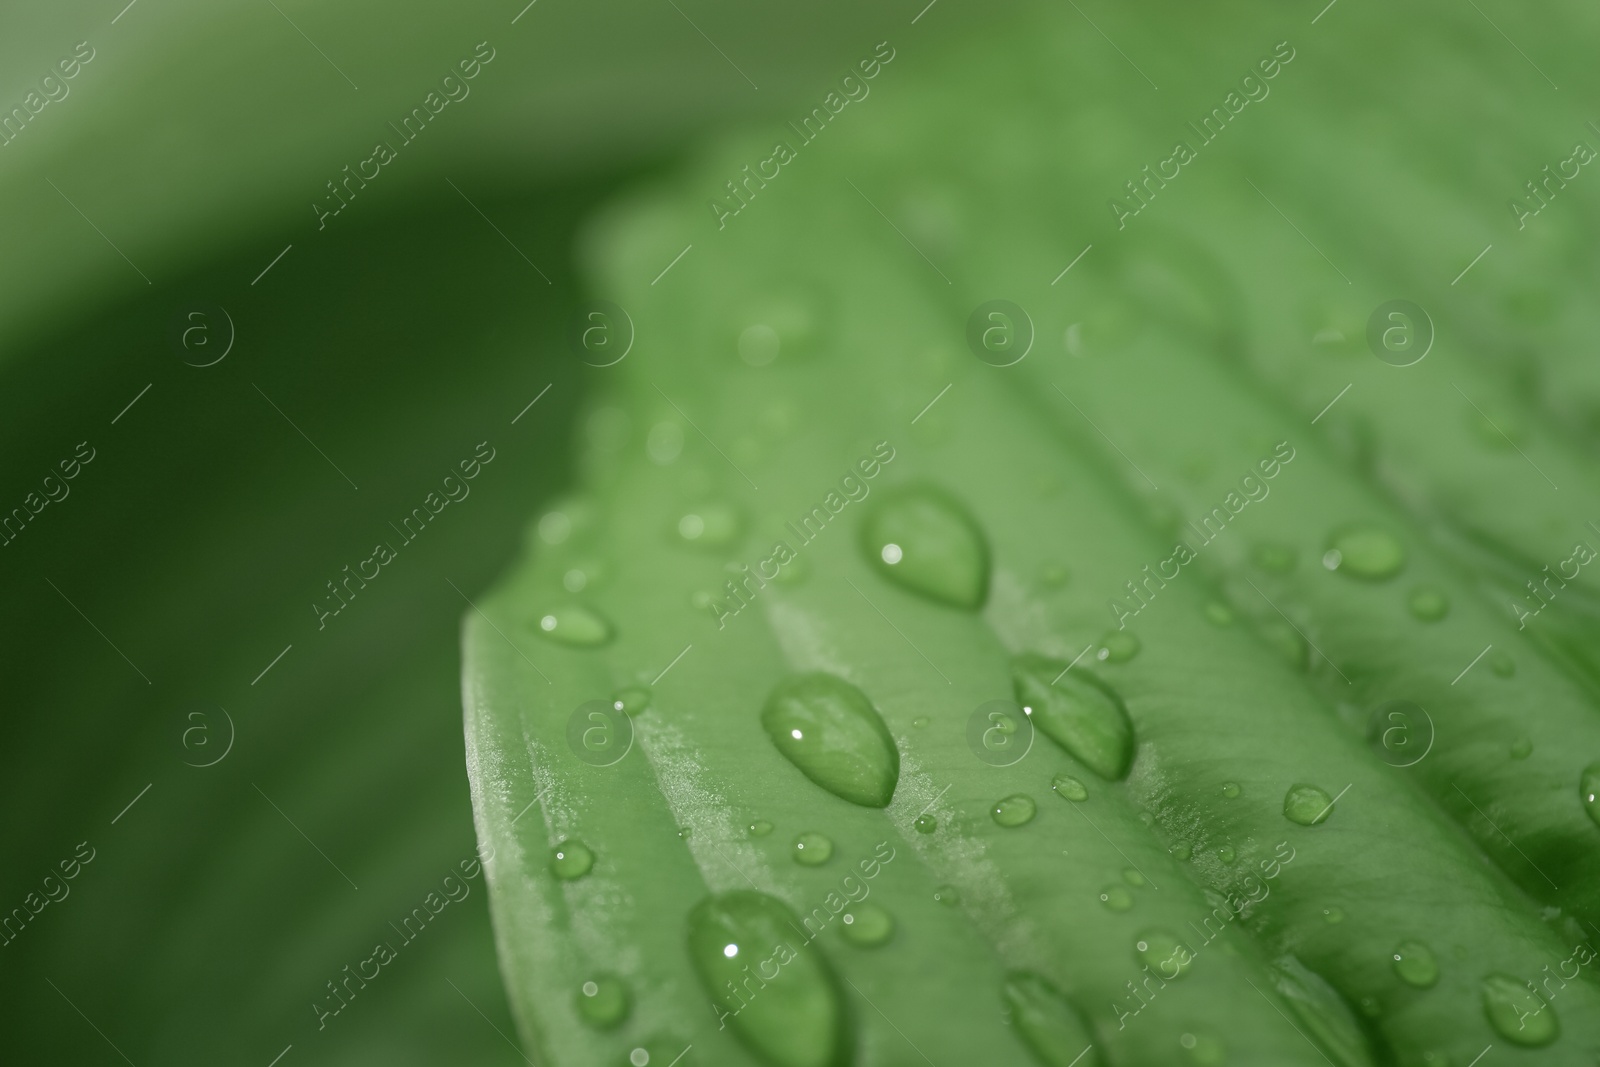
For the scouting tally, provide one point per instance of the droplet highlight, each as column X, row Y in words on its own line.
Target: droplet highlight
column 574, row 625
column 571, row 859
column 1307, row 805
column 1365, row 551
column 1018, row 809
column 921, row 539
column 1078, row 711
column 828, row 729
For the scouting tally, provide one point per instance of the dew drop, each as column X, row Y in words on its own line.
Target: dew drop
column 1116, row 897
column 829, row 730
column 1322, row 1015
column 1517, row 1013
column 685, row 832
column 1414, row 963
column 571, row 859
column 1118, row 646
column 1428, row 604
column 1164, row 953
column 1230, row 789
column 1048, row 1024
column 758, row 345
column 1589, row 790
column 926, row 823
column 812, row 849
column 712, row 524
column 1078, row 712
column 575, row 625
column 1069, row 788
column 1227, row 855
column 1218, row 613
column 1521, row 748
column 603, row 1002
column 1015, row 810
column 799, row 1020
column 1333, row 915
column 632, row 701
column 866, row 925
column 1181, row 851
column 922, row 539
column 1307, row 805
column 1133, row 876
column 947, row 894
column 760, row 828
column 1364, row 551
column 1202, row 1049
column 1502, row 664
column 920, row 721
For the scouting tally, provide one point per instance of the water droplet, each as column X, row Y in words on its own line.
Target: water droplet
column 1078, row 712
column 926, row 823
column 1218, row 613
column 1116, row 897
column 798, row 1018
column 1321, row 1014
column 866, row 925
column 937, row 547
column 760, row 828
column 829, row 730
column 711, row 525
column 1521, row 748
column 1203, row 1049
column 685, row 832
column 1589, row 790
column 603, row 1002
column 1230, row 789
column 1069, row 788
column 1306, row 805
column 1274, row 557
column 947, row 894
column 1117, row 646
column 1517, row 1013
column 1017, row 809
column 632, row 700
column 571, row 859
column 1181, row 851
column 920, row 721
column 1365, row 551
column 575, row 625
column 812, row 849
column 1048, row 1024
column 1502, row 664
column 1133, row 876
column 1428, row 604
column 1227, row 855
column 1164, row 953
column 758, row 345
column 1414, row 963
column 1333, row 915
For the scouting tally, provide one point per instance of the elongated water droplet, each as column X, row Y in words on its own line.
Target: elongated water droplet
column 1118, row 646
column 1333, row 915
column 1364, row 551
column 1133, row 876
column 1589, row 790
column 1116, row 897
column 829, row 730
column 866, row 925
column 920, row 721
column 1069, row 788
column 1307, row 805
column 632, row 700
column 574, row 625
column 1428, row 604
column 603, row 1001
column 760, row 828
column 812, row 849
column 923, row 540
column 1517, row 1013
column 1414, row 963
column 1048, row 1024
column 571, row 859
column 1165, row 954
column 1323, row 1015
column 797, row 1018
column 1015, row 810
column 926, row 823
column 711, row 525
column 1078, row 712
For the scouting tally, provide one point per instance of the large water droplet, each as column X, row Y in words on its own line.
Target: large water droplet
column 812, row 849
column 1078, row 712
column 603, row 1001
column 1589, row 790
column 866, row 925
column 1014, row 810
column 923, row 540
column 1069, row 788
column 1306, row 805
column 1165, row 954
column 1414, row 963
column 1048, row 1024
column 1364, row 551
column 794, row 1019
column 1116, row 897
column 829, row 729
column 574, row 625
column 571, row 859
column 1517, row 1013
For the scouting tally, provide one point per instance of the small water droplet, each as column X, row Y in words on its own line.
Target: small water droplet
column 829, row 730
column 1227, row 855
column 571, row 859
column 936, row 546
column 633, row 700
column 1517, row 1013
column 1230, row 789
column 760, row 828
column 1218, row 613
column 1365, row 551
column 926, row 823
column 1307, row 805
column 1048, row 1023
column 1274, row 557
column 800, row 1019
column 812, row 849
column 1521, row 748
column 1118, row 646
column 1589, row 790
column 866, row 925
column 1203, row 1049
column 1333, row 915
column 947, row 894
column 1116, row 897
column 1133, row 876
column 1181, row 851
column 1077, row 711
column 685, row 832
column 1414, row 963
column 1069, row 788
column 1428, row 604
column 603, row 1001
column 1015, row 810
column 712, row 524
column 574, row 625
column 920, row 721
column 1053, row 576
column 1164, row 953
column 758, row 345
